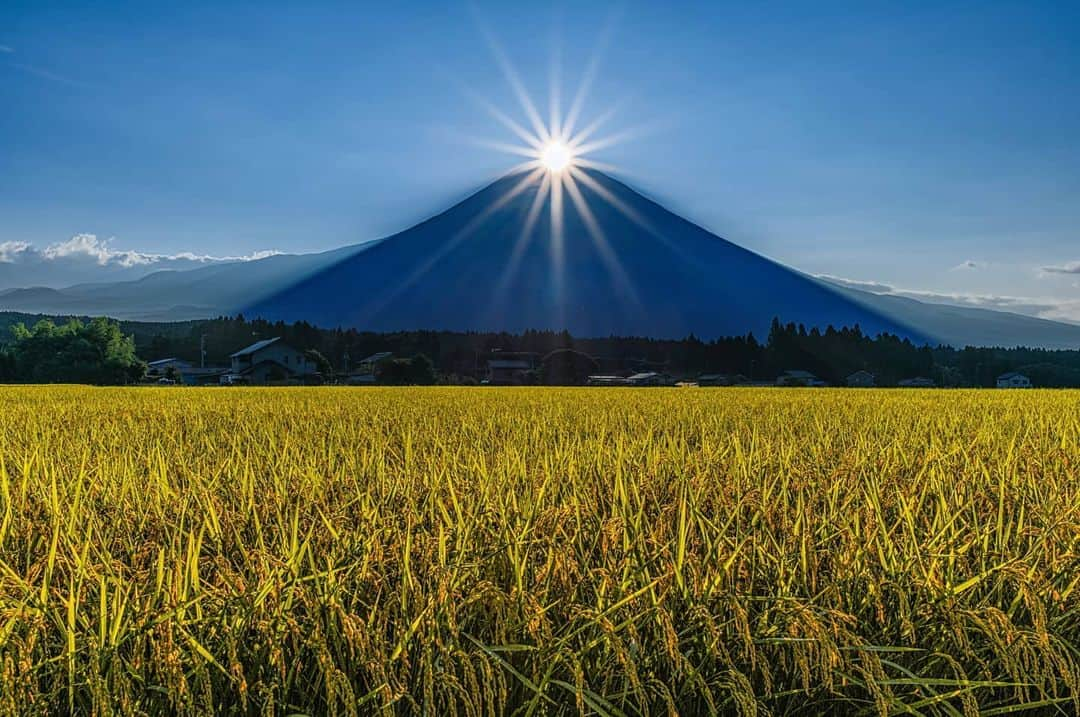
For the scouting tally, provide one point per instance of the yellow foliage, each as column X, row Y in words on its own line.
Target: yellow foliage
column 473, row 551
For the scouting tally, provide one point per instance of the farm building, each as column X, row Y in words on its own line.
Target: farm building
column 798, row 378
column 607, row 380
column 508, row 371
column 196, row 376
column 917, row 382
column 161, row 366
column 271, row 360
column 369, row 364
column 861, row 379
column 1013, row 380
column 649, row 378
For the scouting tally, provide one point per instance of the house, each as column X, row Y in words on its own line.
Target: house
column 369, row 364
column 799, row 378
column 607, row 380
column 1013, row 380
column 508, row 371
column 861, row 379
column 917, row 382
column 162, row 366
column 270, row 360
column 366, row 373
column 510, row 368
column 649, row 378
column 195, row 376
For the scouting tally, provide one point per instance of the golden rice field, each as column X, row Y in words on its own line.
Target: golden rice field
column 539, row 551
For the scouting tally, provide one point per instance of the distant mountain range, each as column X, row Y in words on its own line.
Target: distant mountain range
column 622, row 266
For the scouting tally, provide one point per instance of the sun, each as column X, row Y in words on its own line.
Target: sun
column 556, row 156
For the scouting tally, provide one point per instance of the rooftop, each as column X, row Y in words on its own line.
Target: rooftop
column 376, row 358
column 257, row 346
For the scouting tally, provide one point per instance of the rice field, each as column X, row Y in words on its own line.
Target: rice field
column 539, row 551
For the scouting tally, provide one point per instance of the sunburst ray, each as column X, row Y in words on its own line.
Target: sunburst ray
column 620, row 278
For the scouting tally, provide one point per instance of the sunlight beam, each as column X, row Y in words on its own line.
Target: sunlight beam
column 607, row 255
column 555, row 88
column 459, row 237
column 524, row 239
column 627, row 211
column 557, row 261
column 587, row 78
column 511, row 76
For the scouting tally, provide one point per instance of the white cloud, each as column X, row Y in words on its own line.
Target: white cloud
column 13, row 251
column 87, row 248
column 1072, row 267
column 1055, row 308
column 7, row 49
column 874, row 287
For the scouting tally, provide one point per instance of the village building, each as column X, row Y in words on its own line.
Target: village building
column 196, row 376
column 799, row 378
column 371, row 363
column 861, row 379
column 510, row 368
column 366, row 373
column 1013, row 379
column 607, row 380
column 917, row 382
column 270, row 360
column 162, row 366
column 650, row 378
column 508, row 371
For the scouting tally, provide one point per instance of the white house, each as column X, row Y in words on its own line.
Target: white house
column 1013, row 380
column 271, row 360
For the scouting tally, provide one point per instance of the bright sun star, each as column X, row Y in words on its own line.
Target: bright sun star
column 556, row 156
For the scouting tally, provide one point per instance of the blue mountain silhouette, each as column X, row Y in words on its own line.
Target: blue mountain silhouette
column 627, row 266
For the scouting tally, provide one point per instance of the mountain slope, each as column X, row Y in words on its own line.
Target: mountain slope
column 177, row 295
column 965, row 325
column 651, row 273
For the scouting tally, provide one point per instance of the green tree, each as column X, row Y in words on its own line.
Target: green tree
column 322, row 364
column 97, row 353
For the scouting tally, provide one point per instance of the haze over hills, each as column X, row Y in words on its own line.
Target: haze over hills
column 625, row 266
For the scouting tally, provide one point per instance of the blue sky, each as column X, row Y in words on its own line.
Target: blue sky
column 927, row 147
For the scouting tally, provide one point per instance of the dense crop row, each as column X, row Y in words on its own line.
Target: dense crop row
column 476, row 551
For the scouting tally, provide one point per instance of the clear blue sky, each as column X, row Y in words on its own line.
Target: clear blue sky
column 891, row 142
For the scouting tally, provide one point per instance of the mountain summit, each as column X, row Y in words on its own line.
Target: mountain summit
column 620, row 265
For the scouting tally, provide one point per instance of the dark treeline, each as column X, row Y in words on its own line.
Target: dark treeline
column 832, row 354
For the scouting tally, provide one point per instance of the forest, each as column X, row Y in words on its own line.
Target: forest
column 461, row 357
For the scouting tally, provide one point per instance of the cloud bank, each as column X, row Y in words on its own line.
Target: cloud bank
column 87, row 247
column 1056, row 309
column 86, row 258
column 1072, row 267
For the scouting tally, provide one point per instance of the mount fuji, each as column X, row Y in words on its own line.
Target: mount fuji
column 620, row 265
column 597, row 259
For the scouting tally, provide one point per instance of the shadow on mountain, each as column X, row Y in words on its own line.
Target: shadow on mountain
column 624, row 266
